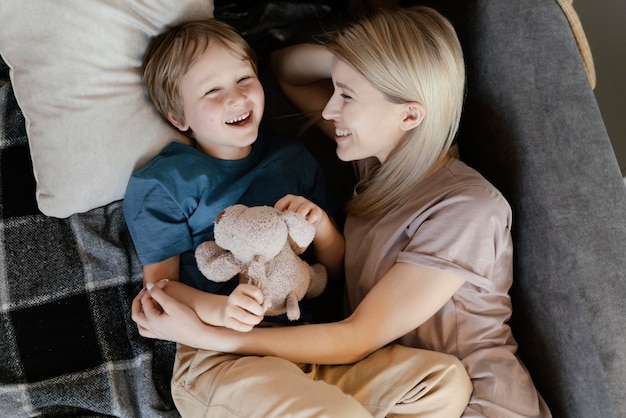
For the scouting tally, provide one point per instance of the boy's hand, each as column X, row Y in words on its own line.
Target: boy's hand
column 244, row 308
column 311, row 212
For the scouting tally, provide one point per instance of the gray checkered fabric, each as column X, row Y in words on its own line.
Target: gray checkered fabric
column 69, row 346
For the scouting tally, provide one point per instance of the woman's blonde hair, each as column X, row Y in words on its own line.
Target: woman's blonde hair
column 170, row 55
column 411, row 55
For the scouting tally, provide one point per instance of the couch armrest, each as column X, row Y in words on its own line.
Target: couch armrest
column 581, row 39
column 532, row 126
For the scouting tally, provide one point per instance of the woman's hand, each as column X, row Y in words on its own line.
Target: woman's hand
column 311, row 212
column 160, row 316
column 328, row 244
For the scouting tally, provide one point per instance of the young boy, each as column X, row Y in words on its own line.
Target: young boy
column 202, row 78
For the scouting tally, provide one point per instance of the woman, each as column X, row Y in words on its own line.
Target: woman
column 428, row 257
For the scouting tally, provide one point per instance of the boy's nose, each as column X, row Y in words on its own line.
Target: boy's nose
column 237, row 96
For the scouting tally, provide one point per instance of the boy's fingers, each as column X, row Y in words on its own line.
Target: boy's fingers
column 255, row 309
column 243, row 321
column 247, row 305
column 252, row 292
column 239, row 326
column 248, row 319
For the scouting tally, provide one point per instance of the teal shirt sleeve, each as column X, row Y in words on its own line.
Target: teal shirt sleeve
column 156, row 222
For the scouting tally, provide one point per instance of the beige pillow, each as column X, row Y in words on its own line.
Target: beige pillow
column 75, row 71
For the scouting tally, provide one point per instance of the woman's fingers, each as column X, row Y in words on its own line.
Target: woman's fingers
column 301, row 205
column 138, row 314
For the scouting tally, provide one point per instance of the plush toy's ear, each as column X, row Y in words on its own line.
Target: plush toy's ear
column 224, row 224
column 301, row 232
column 230, row 213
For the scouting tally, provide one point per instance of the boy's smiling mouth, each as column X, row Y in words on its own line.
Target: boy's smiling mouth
column 239, row 119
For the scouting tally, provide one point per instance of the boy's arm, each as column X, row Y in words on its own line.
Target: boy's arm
column 167, row 269
column 239, row 311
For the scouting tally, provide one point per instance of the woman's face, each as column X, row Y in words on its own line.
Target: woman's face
column 366, row 123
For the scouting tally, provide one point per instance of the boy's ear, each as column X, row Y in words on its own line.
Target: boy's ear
column 181, row 126
column 413, row 115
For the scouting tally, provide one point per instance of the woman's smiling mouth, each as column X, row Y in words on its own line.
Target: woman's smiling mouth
column 342, row 133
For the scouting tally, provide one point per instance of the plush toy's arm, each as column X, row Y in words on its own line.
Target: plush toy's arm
column 319, row 279
column 215, row 263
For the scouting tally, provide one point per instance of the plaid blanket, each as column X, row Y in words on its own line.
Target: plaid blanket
column 69, row 346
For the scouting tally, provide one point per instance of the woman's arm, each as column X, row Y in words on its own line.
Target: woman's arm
column 241, row 310
column 303, row 74
column 401, row 301
column 302, row 64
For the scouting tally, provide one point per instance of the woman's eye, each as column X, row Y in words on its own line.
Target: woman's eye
column 245, row 78
column 345, row 96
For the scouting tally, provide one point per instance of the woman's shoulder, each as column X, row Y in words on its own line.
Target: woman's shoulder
column 470, row 191
column 464, row 177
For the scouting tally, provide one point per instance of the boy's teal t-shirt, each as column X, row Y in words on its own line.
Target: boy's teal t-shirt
column 171, row 203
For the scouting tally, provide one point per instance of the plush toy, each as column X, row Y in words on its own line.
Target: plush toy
column 262, row 244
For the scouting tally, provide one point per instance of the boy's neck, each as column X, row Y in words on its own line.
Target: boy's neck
column 225, row 153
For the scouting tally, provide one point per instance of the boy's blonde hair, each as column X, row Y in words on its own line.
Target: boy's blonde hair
column 170, row 55
column 411, row 55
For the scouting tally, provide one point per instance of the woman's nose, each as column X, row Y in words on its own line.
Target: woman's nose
column 331, row 110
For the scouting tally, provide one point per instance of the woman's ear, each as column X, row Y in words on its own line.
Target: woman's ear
column 181, row 126
column 413, row 115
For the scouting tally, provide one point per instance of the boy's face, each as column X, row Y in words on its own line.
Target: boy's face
column 223, row 103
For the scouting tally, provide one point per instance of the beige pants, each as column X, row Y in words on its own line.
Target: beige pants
column 393, row 381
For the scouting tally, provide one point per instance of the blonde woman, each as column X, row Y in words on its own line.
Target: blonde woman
column 428, row 252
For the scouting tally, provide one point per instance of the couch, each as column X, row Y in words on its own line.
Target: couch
column 531, row 125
